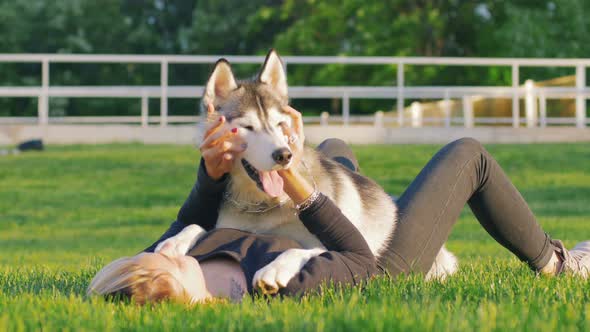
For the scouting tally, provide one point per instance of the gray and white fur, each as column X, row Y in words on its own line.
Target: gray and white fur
column 255, row 108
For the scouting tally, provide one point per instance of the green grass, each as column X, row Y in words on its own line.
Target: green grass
column 66, row 212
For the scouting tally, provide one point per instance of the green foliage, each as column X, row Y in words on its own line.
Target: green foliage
column 68, row 211
column 523, row 28
column 544, row 29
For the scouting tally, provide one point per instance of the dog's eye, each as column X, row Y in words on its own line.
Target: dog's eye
column 282, row 123
column 250, row 128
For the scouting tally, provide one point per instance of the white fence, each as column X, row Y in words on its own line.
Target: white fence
column 533, row 95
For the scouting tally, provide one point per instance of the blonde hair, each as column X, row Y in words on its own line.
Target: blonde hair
column 124, row 278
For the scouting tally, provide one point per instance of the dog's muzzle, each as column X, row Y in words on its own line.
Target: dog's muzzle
column 282, row 156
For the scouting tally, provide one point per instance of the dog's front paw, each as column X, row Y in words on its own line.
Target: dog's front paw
column 279, row 272
column 181, row 243
column 274, row 276
column 170, row 247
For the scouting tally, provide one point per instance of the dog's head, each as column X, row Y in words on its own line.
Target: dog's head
column 255, row 107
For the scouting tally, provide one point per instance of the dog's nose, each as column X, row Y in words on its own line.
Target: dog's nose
column 282, row 156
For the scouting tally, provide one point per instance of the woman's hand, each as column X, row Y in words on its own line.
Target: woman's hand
column 295, row 185
column 220, row 146
column 294, row 134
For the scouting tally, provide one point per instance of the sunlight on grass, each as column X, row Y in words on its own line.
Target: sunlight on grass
column 66, row 212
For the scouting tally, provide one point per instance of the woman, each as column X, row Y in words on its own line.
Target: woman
column 224, row 261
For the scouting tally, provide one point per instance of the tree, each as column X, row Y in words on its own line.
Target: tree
column 517, row 28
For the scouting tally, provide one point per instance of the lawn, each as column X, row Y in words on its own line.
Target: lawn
column 67, row 211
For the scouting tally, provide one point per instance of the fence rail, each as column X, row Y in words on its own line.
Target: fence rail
column 535, row 97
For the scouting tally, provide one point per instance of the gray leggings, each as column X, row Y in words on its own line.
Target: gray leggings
column 461, row 172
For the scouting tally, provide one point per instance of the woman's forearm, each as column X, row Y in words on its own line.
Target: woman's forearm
column 296, row 186
column 202, row 205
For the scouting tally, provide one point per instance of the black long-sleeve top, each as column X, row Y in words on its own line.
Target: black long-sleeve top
column 348, row 259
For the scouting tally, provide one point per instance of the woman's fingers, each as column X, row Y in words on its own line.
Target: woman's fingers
column 224, row 151
column 220, row 146
column 227, row 136
column 220, row 163
column 218, row 159
column 231, row 146
column 216, row 123
column 215, row 126
column 288, row 132
column 210, row 112
column 294, row 134
column 217, row 137
column 297, row 119
column 227, row 162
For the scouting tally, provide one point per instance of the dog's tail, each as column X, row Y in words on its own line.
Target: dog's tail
column 444, row 265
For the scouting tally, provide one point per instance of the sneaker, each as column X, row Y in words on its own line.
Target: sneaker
column 575, row 261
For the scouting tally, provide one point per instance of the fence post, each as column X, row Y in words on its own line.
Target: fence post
column 543, row 109
column 515, row 99
column 345, row 109
column 416, row 109
column 379, row 119
column 446, row 105
column 43, row 103
column 164, row 93
column 530, row 104
column 580, row 98
column 400, row 94
column 145, row 113
column 468, row 112
column 324, row 118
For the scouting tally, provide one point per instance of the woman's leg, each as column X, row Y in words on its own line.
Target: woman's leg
column 462, row 172
column 339, row 151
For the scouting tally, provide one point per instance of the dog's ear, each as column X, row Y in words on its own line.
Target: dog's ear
column 220, row 83
column 273, row 73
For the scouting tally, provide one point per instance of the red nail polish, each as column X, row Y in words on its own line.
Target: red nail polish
column 234, row 130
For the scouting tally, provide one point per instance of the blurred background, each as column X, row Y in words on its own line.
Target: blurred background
column 385, row 71
column 392, row 28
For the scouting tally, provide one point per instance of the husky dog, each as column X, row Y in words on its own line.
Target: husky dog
column 255, row 201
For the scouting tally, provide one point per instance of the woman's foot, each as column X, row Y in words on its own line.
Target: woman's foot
column 575, row 261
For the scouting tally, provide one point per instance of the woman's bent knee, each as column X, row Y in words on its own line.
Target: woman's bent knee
column 332, row 144
column 463, row 149
column 467, row 145
column 339, row 151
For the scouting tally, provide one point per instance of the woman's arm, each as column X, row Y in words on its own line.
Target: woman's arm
column 349, row 259
column 321, row 217
column 325, row 220
column 218, row 150
column 201, row 206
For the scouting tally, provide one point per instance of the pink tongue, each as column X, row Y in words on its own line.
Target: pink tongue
column 272, row 183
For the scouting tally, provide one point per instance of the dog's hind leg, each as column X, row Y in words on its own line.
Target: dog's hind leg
column 445, row 264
